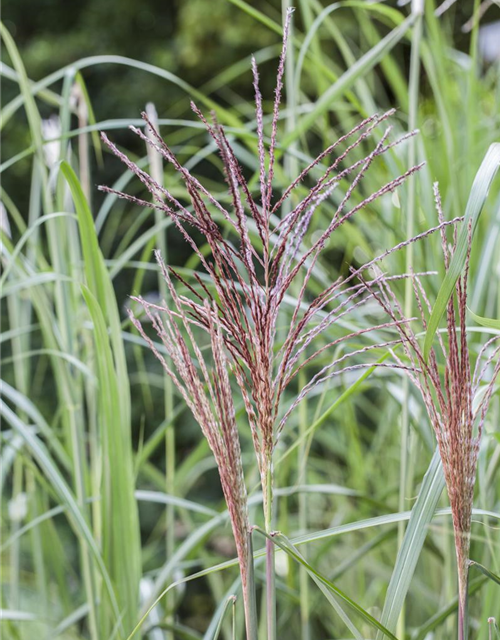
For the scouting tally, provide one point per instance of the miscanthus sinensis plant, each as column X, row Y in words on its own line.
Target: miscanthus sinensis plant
column 248, row 284
column 456, row 389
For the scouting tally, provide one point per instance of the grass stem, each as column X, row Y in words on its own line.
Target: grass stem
column 270, row 560
column 410, row 231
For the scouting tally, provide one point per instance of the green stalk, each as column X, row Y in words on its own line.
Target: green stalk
column 156, row 168
column 77, row 448
column 249, row 597
column 463, row 598
column 461, row 619
column 15, row 555
column 36, row 538
column 404, row 480
column 19, row 314
column 472, row 79
column 303, row 575
column 66, row 304
column 270, row 559
column 83, row 145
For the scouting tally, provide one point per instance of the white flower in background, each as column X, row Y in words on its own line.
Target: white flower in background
column 282, row 565
column 146, row 589
column 18, row 507
column 4, row 221
column 489, row 41
column 51, row 128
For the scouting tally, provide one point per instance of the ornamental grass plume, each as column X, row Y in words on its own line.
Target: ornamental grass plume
column 452, row 393
column 238, row 305
column 207, row 392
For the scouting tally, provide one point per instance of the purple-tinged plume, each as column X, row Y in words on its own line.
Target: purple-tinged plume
column 452, row 390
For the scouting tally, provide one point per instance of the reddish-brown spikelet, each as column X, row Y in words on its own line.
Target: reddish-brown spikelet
column 207, row 392
column 449, row 387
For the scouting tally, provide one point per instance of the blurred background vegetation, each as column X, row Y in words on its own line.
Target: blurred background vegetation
column 197, row 40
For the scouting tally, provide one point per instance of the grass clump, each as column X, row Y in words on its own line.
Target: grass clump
column 279, row 226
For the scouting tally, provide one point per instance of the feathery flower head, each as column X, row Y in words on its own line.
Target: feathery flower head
column 249, row 281
column 452, row 391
